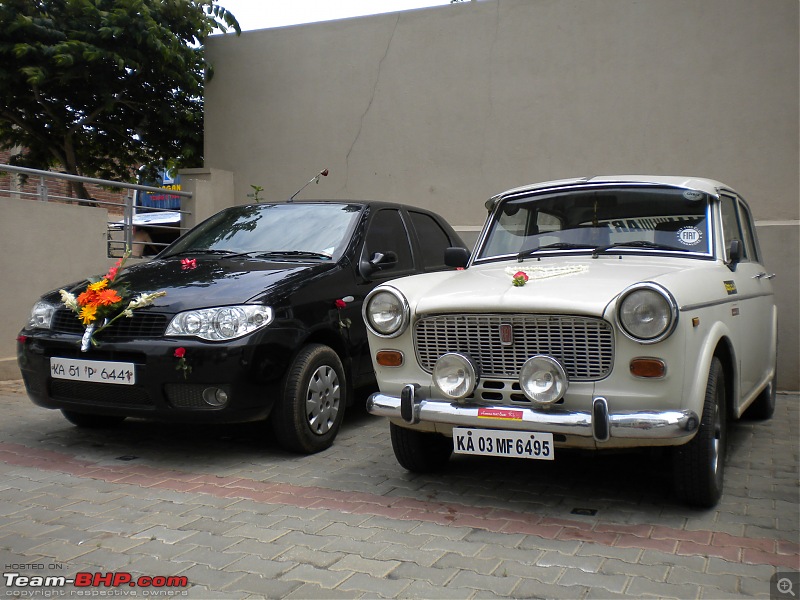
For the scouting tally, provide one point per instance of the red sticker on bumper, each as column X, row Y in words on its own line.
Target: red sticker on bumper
column 500, row 413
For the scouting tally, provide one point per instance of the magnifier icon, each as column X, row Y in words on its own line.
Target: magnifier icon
column 785, row 586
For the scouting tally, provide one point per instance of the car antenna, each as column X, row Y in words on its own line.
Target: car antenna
column 315, row 179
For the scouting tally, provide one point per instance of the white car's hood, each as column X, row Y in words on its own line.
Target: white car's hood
column 580, row 286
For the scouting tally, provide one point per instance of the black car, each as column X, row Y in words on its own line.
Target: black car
column 261, row 319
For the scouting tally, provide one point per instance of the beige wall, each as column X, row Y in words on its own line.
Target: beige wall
column 43, row 245
column 446, row 106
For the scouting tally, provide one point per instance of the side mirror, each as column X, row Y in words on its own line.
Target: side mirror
column 456, row 257
column 377, row 262
column 734, row 254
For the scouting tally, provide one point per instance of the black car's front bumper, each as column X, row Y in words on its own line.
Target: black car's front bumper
column 248, row 371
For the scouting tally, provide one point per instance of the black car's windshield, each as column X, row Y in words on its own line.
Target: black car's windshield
column 291, row 230
column 599, row 221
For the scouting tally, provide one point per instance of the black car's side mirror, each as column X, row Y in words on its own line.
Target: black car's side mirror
column 456, row 257
column 734, row 254
column 378, row 262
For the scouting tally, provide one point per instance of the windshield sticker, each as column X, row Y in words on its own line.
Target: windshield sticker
column 644, row 223
column 690, row 236
column 693, row 195
column 545, row 272
column 730, row 287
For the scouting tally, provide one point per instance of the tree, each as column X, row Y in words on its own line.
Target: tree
column 101, row 87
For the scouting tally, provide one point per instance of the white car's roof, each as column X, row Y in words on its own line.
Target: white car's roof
column 701, row 184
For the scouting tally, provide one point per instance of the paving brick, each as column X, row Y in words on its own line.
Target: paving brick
column 556, row 559
column 531, row 588
column 312, row 591
column 423, row 558
column 438, row 576
column 262, row 587
column 476, row 581
column 485, row 566
column 327, row 578
column 369, row 566
column 375, row 586
column 642, row 586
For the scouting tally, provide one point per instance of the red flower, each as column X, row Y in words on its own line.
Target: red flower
column 340, row 304
column 188, row 264
column 522, row 275
column 324, row 173
column 180, row 352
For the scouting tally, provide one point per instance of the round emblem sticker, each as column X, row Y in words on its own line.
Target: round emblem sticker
column 690, row 236
column 693, row 195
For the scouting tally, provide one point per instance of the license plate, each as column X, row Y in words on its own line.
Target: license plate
column 95, row 371
column 515, row 444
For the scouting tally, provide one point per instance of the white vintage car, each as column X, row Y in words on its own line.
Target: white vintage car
column 594, row 313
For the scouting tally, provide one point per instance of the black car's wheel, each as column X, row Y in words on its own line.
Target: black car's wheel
column 420, row 451
column 91, row 421
column 309, row 413
column 763, row 407
column 699, row 466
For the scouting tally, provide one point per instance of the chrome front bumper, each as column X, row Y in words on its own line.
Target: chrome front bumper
column 597, row 424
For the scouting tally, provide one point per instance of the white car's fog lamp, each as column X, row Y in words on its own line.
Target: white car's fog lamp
column 543, row 380
column 455, row 375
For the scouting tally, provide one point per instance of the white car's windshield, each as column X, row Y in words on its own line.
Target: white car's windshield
column 600, row 220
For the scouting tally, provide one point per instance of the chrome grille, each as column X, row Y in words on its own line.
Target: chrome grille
column 584, row 345
column 140, row 325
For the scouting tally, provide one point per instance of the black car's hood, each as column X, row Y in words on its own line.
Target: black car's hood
column 213, row 281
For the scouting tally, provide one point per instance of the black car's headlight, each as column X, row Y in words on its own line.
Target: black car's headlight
column 386, row 312
column 220, row 323
column 42, row 315
column 647, row 313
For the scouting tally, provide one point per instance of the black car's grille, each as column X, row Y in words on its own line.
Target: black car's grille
column 583, row 345
column 100, row 394
column 140, row 325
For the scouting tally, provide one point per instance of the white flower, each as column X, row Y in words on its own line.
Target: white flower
column 69, row 300
column 143, row 300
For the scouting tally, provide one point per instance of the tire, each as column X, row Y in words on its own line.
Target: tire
column 420, row 451
column 699, row 466
column 88, row 421
column 307, row 416
column 763, row 407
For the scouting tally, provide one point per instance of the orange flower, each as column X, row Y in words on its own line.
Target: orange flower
column 87, row 298
column 108, row 297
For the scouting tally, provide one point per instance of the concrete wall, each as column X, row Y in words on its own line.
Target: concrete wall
column 444, row 107
column 43, row 245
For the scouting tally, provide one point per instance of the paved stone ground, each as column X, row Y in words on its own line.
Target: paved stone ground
column 240, row 518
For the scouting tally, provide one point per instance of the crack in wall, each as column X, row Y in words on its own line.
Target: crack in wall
column 369, row 103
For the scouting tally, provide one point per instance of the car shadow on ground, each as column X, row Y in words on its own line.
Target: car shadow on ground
column 576, row 482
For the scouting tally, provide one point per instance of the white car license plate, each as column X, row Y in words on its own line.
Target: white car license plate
column 515, row 444
column 95, row 371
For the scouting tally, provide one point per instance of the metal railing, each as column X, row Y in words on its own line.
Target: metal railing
column 21, row 186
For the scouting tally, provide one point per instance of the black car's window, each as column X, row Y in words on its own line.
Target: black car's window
column 650, row 219
column 432, row 240
column 387, row 233
column 322, row 229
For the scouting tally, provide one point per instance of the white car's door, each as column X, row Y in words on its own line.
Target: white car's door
column 753, row 308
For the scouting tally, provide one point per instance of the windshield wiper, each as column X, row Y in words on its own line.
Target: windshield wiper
column 297, row 253
column 205, row 251
column 633, row 244
column 556, row 246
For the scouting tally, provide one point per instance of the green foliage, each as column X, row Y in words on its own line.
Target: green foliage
column 100, row 87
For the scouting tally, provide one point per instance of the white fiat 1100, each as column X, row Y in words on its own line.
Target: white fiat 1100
column 595, row 313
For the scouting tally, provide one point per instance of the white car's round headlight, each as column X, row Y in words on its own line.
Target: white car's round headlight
column 543, row 380
column 386, row 312
column 647, row 313
column 455, row 375
column 220, row 323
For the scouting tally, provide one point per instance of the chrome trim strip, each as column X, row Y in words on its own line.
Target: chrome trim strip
column 644, row 425
column 731, row 300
